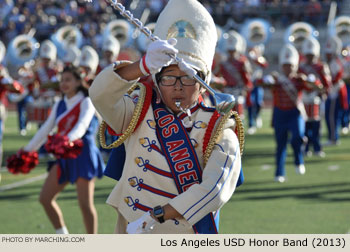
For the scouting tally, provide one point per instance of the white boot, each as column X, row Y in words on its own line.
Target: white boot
column 300, row 169
column 280, row 179
column 62, row 230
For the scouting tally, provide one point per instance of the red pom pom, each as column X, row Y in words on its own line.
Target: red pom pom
column 61, row 147
column 22, row 162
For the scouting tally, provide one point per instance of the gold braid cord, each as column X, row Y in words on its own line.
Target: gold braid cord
column 132, row 124
column 215, row 137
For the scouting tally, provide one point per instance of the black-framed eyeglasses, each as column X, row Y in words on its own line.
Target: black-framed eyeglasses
column 170, row 80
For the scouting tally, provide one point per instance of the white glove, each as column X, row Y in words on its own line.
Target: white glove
column 54, row 79
column 187, row 68
column 157, row 56
column 311, row 78
column 268, row 79
column 7, row 80
column 142, row 225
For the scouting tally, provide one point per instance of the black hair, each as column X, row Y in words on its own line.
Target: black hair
column 78, row 75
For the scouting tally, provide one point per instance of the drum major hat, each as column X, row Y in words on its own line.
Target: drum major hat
column 190, row 23
column 72, row 55
column 235, row 41
column 89, row 58
column 311, row 46
column 48, row 50
column 2, row 51
column 289, row 55
column 111, row 44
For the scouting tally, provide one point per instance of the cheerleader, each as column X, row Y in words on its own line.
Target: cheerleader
column 74, row 117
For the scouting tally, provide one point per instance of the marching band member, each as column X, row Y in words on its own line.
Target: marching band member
column 110, row 52
column 288, row 111
column 169, row 182
column 72, row 56
column 236, row 70
column 346, row 78
column 312, row 66
column 7, row 84
column 337, row 100
column 258, row 63
column 88, row 62
column 73, row 115
column 46, row 73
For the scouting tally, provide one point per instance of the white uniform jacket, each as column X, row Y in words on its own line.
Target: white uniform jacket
column 145, row 182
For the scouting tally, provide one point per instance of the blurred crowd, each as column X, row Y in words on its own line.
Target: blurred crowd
column 46, row 16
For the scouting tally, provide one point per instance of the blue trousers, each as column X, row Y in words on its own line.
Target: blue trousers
column 345, row 120
column 333, row 118
column 312, row 132
column 285, row 122
column 257, row 98
column 21, row 109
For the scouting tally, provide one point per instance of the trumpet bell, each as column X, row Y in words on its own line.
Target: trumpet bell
column 256, row 31
column 121, row 30
column 340, row 27
column 21, row 49
column 65, row 37
column 297, row 32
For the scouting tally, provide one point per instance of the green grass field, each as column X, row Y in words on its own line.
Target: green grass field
column 317, row 202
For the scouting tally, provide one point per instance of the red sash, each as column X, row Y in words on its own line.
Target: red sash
column 68, row 121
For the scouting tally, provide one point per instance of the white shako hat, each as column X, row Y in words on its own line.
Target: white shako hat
column 311, row 46
column 111, row 44
column 191, row 24
column 289, row 55
column 72, row 55
column 235, row 41
column 48, row 50
column 2, row 51
column 333, row 45
column 89, row 58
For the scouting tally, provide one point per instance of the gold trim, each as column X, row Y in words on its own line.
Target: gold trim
column 240, row 131
column 132, row 124
column 218, row 131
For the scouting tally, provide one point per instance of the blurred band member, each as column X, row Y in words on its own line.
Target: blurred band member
column 288, row 111
column 72, row 56
column 337, row 100
column 89, row 62
column 312, row 66
column 236, row 70
column 110, row 52
column 7, row 84
column 259, row 63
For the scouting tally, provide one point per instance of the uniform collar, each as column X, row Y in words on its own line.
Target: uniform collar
column 73, row 100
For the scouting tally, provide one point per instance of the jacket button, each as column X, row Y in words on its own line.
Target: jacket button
column 203, row 125
column 137, row 160
column 142, row 140
column 152, row 124
column 126, row 200
column 132, row 182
